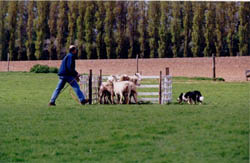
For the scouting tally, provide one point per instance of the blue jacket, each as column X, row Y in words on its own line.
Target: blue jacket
column 68, row 66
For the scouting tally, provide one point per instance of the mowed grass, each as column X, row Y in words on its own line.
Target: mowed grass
column 30, row 131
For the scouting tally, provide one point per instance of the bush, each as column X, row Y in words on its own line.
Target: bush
column 220, row 79
column 40, row 68
column 43, row 69
column 53, row 70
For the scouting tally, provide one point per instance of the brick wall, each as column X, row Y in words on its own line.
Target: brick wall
column 229, row 68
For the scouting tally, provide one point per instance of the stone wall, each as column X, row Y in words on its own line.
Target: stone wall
column 229, row 68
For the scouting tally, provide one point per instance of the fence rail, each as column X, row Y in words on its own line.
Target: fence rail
column 148, row 86
column 153, row 100
column 148, row 93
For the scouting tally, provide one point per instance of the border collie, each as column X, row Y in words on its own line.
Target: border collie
column 191, row 97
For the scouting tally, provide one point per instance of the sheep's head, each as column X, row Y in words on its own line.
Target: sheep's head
column 124, row 78
column 138, row 75
column 138, row 79
column 112, row 78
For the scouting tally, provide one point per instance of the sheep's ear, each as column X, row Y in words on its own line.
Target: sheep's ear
column 138, row 75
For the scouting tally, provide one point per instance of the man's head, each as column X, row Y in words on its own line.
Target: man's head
column 72, row 49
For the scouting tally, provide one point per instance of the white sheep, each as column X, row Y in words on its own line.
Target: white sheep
column 122, row 89
column 134, row 81
column 106, row 93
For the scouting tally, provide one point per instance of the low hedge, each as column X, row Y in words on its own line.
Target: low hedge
column 43, row 69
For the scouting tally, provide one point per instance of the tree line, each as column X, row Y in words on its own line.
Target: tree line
column 41, row 30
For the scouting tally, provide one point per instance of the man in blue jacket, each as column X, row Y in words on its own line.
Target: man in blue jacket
column 67, row 73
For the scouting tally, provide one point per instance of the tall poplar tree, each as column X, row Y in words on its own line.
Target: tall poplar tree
column 81, row 30
column 163, row 31
column 72, row 16
column 41, row 28
column 53, row 16
column 153, row 27
column 231, row 25
column 109, row 27
column 220, row 29
column 120, row 12
column 187, row 24
column 3, row 44
column 142, row 29
column 62, row 29
column 30, row 47
column 132, row 28
column 209, row 30
column 244, row 28
column 176, row 28
column 100, row 44
column 12, row 22
column 89, row 29
column 21, row 30
column 198, row 40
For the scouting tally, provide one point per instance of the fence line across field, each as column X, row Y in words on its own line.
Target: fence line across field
column 90, row 85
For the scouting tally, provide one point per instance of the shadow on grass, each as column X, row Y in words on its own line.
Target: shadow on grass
column 198, row 78
column 177, row 103
column 147, row 103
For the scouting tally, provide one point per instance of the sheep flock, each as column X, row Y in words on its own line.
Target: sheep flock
column 122, row 88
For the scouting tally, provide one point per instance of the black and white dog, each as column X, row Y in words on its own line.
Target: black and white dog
column 191, row 97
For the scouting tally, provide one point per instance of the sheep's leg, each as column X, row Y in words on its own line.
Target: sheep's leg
column 131, row 98
column 125, row 96
column 135, row 97
column 112, row 97
column 127, row 101
column 117, row 98
column 109, row 98
column 106, row 99
column 129, row 93
column 121, row 98
column 100, row 98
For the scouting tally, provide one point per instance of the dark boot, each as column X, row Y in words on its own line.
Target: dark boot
column 52, row 104
column 84, row 101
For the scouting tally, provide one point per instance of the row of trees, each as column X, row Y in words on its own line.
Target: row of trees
column 32, row 30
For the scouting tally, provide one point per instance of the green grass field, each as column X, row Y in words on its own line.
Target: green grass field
column 30, row 131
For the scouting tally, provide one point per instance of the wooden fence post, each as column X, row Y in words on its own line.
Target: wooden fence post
column 90, row 86
column 8, row 66
column 100, row 79
column 137, row 63
column 99, row 82
column 213, row 67
column 160, row 87
column 167, row 71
